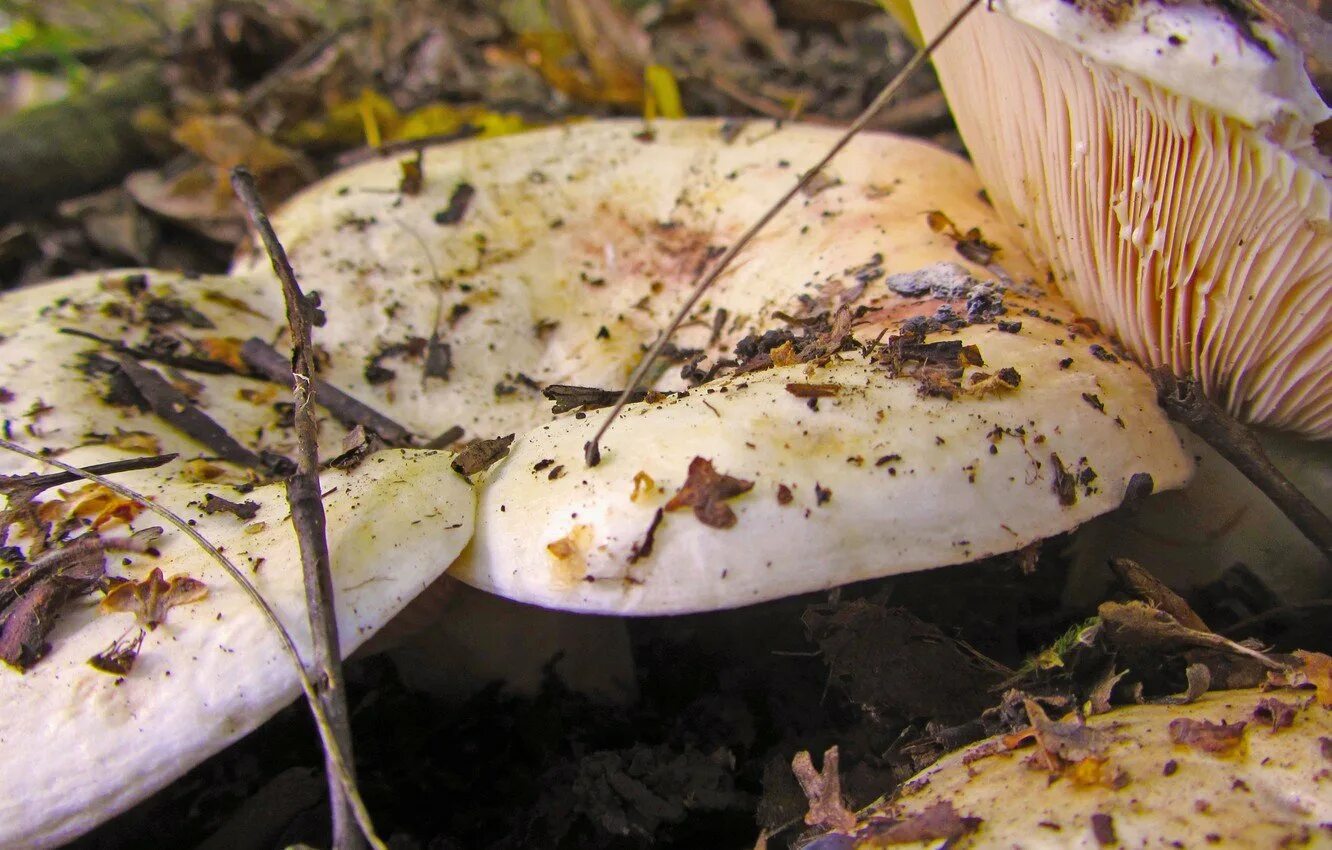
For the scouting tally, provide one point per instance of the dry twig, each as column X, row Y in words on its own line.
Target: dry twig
column 307, row 515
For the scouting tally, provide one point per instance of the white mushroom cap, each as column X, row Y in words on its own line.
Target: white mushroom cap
column 1202, row 239
column 1269, row 790
column 82, row 745
column 88, row 745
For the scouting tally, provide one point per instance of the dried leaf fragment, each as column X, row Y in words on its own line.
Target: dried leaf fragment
column 824, row 791
column 1219, row 738
column 939, row 821
column 149, row 600
column 705, row 490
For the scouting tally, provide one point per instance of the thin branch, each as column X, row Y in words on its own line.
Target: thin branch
column 265, row 359
column 330, row 742
column 307, row 511
column 1184, row 400
column 34, row 484
column 592, row 450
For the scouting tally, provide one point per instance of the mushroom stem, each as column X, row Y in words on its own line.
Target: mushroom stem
column 307, row 517
column 1184, row 400
column 592, row 450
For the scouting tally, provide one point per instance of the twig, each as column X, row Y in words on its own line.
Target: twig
column 175, row 408
column 331, row 746
column 1184, row 400
column 35, row 484
column 193, row 364
column 592, row 450
column 307, row 513
column 266, row 359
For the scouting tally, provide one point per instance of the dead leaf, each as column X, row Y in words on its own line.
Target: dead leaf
column 1317, row 671
column 939, row 821
column 149, row 600
column 1219, row 738
column 824, row 792
column 705, row 490
column 1151, row 590
column 1271, row 711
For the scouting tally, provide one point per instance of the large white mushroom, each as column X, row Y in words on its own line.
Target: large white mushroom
column 196, row 666
column 555, row 258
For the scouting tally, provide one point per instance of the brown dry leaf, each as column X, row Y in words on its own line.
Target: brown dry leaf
column 705, row 490
column 1070, row 749
column 1219, row 738
column 824, row 792
column 149, row 600
column 95, row 504
column 481, row 454
column 784, row 355
column 1317, row 671
column 939, row 821
column 1151, row 590
column 1275, row 713
column 135, row 441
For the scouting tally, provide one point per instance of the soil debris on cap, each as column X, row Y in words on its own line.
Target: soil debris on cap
column 705, row 490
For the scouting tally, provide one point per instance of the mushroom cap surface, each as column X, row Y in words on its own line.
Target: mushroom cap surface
column 1270, row 789
column 83, row 745
column 585, row 239
column 1202, row 239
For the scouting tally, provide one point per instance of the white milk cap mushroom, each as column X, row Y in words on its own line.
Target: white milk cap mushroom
column 1162, row 159
column 86, row 743
column 590, row 236
column 1233, row 769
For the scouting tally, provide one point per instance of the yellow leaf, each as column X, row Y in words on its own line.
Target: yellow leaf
column 663, row 95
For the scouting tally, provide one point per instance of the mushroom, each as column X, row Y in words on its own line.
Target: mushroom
column 1163, row 160
column 120, row 698
column 1234, row 768
column 931, row 405
column 1161, row 157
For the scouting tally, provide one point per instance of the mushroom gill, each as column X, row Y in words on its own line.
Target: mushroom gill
column 1203, row 240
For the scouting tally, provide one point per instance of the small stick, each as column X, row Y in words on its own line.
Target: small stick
column 266, row 360
column 175, row 408
column 592, row 450
column 193, row 364
column 1183, row 399
column 307, row 513
column 35, row 484
column 331, row 746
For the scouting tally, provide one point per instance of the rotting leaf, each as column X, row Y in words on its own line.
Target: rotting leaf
column 1274, row 713
column 118, row 658
column 1064, row 483
column 1317, row 671
column 1219, row 738
column 30, row 602
column 481, row 454
column 824, row 791
column 1073, row 750
column 971, row 244
column 1151, row 590
column 935, row 822
column 149, row 600
column 705, row 490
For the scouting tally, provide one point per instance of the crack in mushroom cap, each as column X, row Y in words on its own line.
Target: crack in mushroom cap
column 591, row 227
column 1269, row 791
column 91, row 746
column 1204, row 244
